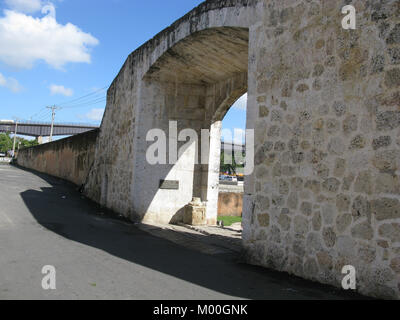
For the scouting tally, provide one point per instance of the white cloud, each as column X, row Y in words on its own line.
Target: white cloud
column 55, row 89
column 27, row 6
column 241, row 103
column 95, row 114
column 26, row 40
column 10, row 83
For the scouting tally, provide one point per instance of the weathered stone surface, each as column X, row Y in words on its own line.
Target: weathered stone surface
column 367, row 253
column 343, row 222
column 386, row 208
column 332, row 125
column 306, row 208
column 378, row 64
column 311, row 268
column 358, row 142
column 301, row 226
column 313, row 185
column 284, row 187
column 263, row 219
column 314, row 242
column 302, row 87
column 339, row 108
column 264, row 111
column 395, row 265
column 343, row 202
column 390, row 231
column 387, row 183
column 347, row 182
column 329, row 236
column 336, row 146
column 262, row 203
column 381, row 142
column 317, row 221
column 284, row 221
column 392, row 78
column 325, row 260
column 388, row 120
column 328, row 213
column 299, row 248
column 394, row 36
column 331, row 185
column 195, row 214
column 318, row 70
column 297, row 184
column 297, row 157
column 340, row 167
column 293, row 201
column 350, row 124
column 361, row 208
column 275, row 234
column 394, row 54
column 362, row 231
column 346, row 246
column 363, row 183
column 387, row 161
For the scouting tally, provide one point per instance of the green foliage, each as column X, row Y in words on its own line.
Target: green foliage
column 229, row 220
column 229, row 168
column 6, row 142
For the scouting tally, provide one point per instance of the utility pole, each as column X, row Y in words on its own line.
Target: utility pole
column 15, row 137
column 53, row 115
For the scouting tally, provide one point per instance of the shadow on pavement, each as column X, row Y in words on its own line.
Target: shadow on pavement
column 62, row 210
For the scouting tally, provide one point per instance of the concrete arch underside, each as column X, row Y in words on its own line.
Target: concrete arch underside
column 323, row 103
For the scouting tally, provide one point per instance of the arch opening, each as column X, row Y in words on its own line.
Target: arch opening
column 191, row 86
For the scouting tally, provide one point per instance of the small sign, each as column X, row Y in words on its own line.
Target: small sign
column 169, row 184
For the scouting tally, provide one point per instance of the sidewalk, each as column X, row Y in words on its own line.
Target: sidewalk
column 207, row 239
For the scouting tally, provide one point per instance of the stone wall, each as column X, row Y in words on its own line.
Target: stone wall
column 324, row 103
column 230, row 204
column 69, row 159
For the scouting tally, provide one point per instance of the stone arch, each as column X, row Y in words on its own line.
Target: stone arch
column 324, row 105
column 198, row 78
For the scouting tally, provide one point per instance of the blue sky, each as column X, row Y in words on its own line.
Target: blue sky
column 56, row 52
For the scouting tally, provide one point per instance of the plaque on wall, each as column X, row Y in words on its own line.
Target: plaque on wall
column 169, row 184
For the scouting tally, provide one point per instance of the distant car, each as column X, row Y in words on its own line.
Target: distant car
column 2, row 155
column 228, row 178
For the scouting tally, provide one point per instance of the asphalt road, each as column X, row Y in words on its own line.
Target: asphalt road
column 45, row 221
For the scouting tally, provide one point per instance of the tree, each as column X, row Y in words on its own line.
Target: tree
column 231, row 169
column 7, row 142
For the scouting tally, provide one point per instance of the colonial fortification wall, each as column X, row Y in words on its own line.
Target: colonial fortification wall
column 324, row 103
column 69, row 159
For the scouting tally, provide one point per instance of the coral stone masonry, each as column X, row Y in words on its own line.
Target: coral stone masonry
column 324, row 103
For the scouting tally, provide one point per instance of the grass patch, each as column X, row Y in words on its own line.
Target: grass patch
column 228, row 221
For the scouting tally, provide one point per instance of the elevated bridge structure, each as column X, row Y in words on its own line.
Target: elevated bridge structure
column 42, row 129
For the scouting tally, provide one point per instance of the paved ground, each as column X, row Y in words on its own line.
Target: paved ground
column 225, row 187
column 44, row 221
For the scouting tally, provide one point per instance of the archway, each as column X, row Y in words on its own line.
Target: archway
column 232, row 165
column 322, row 101
column 192, row 86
